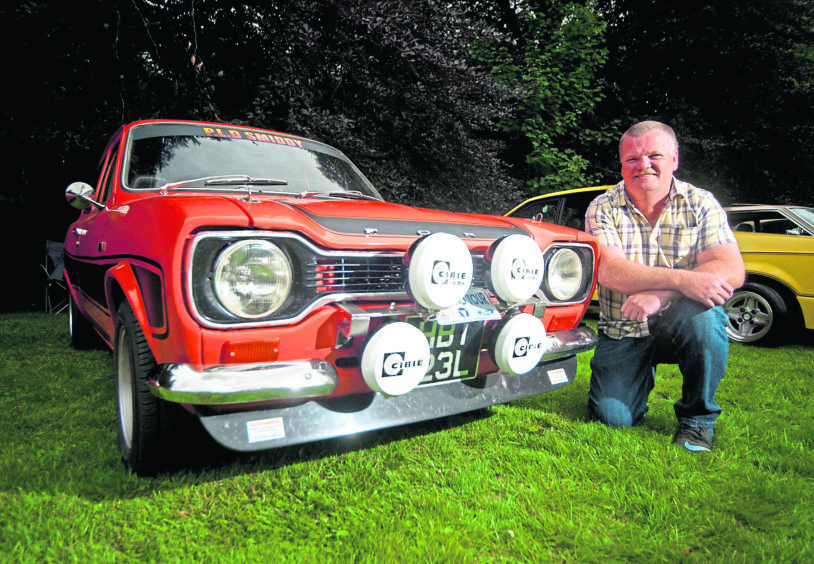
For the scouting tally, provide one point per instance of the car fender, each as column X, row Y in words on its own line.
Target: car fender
column 758, row 269
column 787, row 259
column 769, row 266
column 121, row 284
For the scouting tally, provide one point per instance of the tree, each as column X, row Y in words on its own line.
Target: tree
column 392, row 84
column 555, row 63
column 734, row 79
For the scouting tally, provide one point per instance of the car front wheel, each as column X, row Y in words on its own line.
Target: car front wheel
column 757, row 315
column 139, row 411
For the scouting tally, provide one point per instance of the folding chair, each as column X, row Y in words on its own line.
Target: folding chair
column 56, row 290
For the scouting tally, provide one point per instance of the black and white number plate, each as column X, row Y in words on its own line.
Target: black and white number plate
column 454, row 350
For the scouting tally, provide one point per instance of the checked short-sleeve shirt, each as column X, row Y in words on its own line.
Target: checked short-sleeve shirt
column 691, row 222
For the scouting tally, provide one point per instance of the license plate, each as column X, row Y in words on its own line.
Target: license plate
column 454, row 350
column 476, row 305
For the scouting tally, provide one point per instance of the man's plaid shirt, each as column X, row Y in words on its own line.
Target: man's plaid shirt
column 691, row 222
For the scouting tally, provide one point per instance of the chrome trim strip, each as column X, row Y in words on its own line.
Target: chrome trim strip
column 305, row 379
column 256, row 234
column 242, row 383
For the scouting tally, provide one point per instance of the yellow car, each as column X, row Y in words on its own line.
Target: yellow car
column 777, row 244
column 563, row 208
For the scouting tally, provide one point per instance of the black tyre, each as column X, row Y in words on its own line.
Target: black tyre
column 83, row 336
column 138, row 410
column 757, row 315
column 154, row 435
column 144, row 427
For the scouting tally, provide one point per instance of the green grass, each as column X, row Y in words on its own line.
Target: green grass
column 529, row 481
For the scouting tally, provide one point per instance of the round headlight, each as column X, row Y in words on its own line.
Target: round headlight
column 564, row 274
column 252, row 278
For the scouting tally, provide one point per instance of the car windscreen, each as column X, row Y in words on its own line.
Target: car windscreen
column 162, row 154
column 806, row 214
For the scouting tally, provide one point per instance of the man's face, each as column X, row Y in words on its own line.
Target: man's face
column 648, row 163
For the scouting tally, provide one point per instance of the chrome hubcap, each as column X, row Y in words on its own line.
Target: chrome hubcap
column 750, row 316
column 125, row 387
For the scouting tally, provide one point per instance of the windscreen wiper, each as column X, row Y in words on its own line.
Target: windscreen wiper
column 245, row 180
column 349, row 195
column 227, row 180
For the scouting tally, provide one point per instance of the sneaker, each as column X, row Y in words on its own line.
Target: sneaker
column 693, row 439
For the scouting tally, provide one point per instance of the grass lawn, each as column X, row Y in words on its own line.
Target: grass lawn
column 529, row 481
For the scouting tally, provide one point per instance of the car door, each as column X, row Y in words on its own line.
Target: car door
column 85, row 246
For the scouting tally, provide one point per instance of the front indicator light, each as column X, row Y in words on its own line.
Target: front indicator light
column 252, row 278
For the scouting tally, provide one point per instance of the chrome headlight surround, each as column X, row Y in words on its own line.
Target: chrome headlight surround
column 252, row 278
column 569, row 270
column 312, row 285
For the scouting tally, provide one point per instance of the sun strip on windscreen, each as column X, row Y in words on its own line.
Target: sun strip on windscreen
column 251, row 136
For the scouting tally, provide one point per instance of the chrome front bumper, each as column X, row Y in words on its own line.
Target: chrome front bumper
column 245, row 383
column 327, row 418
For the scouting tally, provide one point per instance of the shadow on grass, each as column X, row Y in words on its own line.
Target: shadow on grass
column 205, row 460
column 275, row 458
column 58, row 424
column 88, row 466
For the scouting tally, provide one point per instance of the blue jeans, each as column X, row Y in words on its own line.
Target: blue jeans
column 623, row 371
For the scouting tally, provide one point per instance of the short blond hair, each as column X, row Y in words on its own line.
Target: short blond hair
column 644, row 127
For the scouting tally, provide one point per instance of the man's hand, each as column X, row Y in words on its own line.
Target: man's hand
column 706, row 288
column 639, row 307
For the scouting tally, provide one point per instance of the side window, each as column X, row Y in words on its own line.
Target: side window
column 779, row 225
column 546, row 210
column 767, row 221
column 576, row 205
column 740, row 222
column 745, row 226
column 574, row 218
column 108, row 177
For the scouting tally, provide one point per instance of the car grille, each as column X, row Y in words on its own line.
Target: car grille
column 356, row 274
column 365, row 275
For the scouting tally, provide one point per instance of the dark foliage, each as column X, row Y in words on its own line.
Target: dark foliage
column 733, row 77
column 461, row 105
column 390, row 83
column 554, row 61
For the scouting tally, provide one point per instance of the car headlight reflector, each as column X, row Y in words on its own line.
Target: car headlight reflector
column 252, row 278
column 564, row 274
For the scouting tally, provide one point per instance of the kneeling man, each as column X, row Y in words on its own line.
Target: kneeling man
column 669, row 261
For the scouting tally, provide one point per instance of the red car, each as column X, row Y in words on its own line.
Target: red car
column 259, row 282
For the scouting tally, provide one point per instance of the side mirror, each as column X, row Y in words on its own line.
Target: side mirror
column 79, row 195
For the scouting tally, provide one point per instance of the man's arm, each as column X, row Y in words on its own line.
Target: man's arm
column 720, row 270
column 724, row 261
